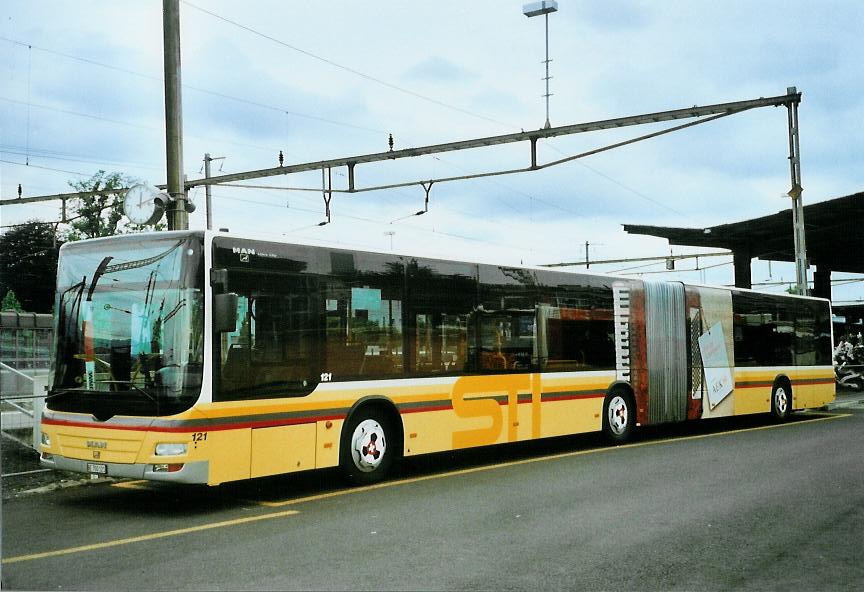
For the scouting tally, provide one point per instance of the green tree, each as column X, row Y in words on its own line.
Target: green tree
column 102, row 214
column 28, row 265
column 28, row 252
column 10, row 302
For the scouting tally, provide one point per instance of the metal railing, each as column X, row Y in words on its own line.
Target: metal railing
column 21, row 410
column 25, row 342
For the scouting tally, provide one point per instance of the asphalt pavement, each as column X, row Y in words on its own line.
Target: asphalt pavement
column 716, row 505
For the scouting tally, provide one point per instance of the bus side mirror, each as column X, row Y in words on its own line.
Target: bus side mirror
column 224, row 313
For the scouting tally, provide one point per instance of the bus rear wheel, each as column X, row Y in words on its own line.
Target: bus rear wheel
column 619, row 417
column 781, row 402
column 366, row 450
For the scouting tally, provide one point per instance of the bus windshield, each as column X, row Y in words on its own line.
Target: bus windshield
column 129, row 335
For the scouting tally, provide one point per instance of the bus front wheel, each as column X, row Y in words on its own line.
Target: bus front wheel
column 366, row 451
column 619, row 417
column 781, row 402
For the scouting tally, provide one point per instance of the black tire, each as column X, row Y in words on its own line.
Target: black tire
column 367, row 447
column 781, row 402
column 619, row 417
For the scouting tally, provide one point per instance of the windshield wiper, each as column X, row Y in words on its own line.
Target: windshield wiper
column 131, row 384
column 100, row 271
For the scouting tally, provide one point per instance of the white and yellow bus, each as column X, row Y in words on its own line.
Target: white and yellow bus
column 201, row 357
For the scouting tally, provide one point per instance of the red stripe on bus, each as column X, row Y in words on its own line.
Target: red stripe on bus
column 198, row 428
column 450, row 406
column 422, row 409
column 505, row 401
column 552, row 397
column 744, row 385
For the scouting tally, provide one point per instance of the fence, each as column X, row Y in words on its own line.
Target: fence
column 25, row 360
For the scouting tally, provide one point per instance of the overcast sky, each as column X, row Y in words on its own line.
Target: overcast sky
column 81, row 91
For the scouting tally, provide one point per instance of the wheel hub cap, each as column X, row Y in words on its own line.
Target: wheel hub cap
column 780, row 400
column 618, row 415
column 368, row 445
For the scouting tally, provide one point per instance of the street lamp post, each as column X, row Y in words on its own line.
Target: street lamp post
column 536, row 9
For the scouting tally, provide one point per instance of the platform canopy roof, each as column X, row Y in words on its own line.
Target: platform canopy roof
column 834, row 232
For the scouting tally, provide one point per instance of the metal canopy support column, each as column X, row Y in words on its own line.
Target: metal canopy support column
column 822, row 282
column 741, row 259
column 795, row 194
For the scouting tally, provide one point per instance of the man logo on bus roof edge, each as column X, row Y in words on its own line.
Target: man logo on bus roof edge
column 243, row 252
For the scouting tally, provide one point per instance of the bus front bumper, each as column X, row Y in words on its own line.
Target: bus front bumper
column 191, row 472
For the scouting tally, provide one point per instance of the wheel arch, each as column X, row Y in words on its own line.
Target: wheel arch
column 386, row 407
column 627, row 388
column 783, row 380
column 621, row 385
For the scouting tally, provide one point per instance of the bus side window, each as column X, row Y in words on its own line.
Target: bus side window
column 272, row 351
column 579, row 341
column 440, row 296
column 362, row 327
column 504, row 341
column 235, row 348
column 441, row 343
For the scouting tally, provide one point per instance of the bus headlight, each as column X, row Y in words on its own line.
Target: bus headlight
column 170, row 449
column 46, row 440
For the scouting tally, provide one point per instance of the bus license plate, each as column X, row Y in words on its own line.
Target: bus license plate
column 97, row 469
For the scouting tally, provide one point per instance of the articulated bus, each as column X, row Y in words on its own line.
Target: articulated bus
column 199, row 357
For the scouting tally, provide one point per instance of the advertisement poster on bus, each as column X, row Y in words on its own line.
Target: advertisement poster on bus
column 718, row 376
column 715, row 347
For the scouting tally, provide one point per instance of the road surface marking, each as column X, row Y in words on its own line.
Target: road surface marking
column 139, row 484
column 26, row 472
column 148, row 537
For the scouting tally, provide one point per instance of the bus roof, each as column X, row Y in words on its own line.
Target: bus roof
column 305, row 241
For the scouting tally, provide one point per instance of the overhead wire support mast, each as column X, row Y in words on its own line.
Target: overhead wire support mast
column 795, row 194
column 530, row 136
column 427, row 184
column 716, row 110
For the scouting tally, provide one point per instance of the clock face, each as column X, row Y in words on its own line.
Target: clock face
column 143, row 204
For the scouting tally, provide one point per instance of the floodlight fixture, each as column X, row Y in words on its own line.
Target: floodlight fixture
column 538, row 8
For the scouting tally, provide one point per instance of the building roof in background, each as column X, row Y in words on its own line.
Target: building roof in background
column 834, row 233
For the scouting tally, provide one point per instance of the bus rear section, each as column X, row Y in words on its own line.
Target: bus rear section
column 698, row 352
